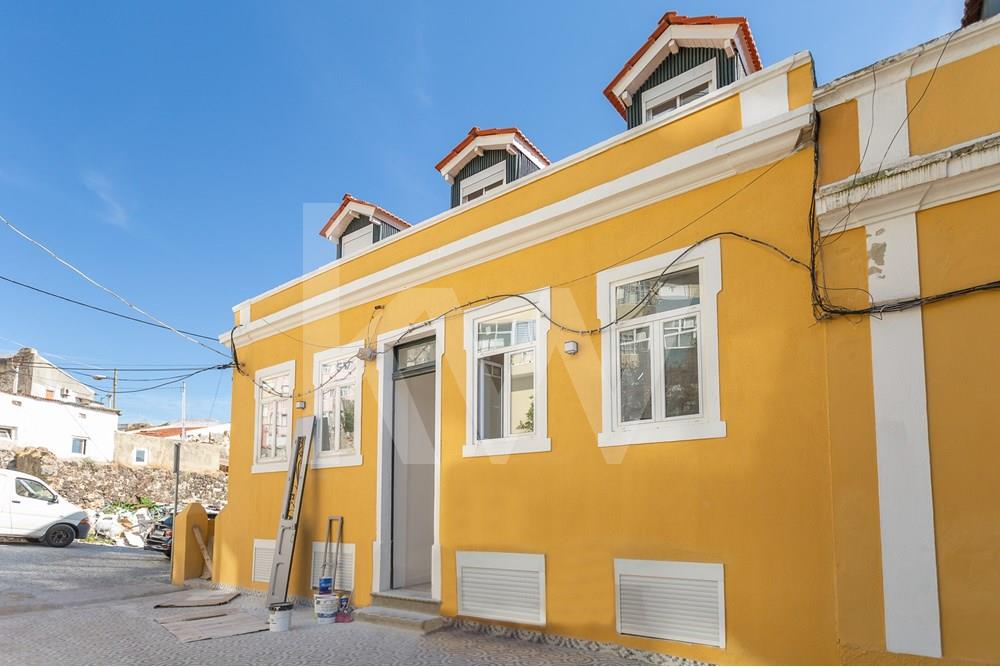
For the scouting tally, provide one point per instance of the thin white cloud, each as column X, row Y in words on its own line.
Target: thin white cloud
column 114, row 213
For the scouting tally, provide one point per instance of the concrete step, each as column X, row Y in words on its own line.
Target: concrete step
column 405, row 619
column 407, row 602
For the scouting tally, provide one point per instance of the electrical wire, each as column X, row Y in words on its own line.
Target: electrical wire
column 108, row 290
column 161, row 385
column 99, row 309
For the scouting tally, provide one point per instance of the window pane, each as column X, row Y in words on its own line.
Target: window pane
column 674, row 290
column 346, row 417
column 680, row 366
column 79, row 446
column 328, row 412
column 493, row 186
column 522, row 392
column 490, row 397
column 693, row 94
column 475, row 194
column 500, row 332
column 635, row 383
column 337, row 370
column 416, row 354
column 282, row 435
column 661, row 108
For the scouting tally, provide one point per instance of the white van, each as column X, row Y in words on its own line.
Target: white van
column 30, row 509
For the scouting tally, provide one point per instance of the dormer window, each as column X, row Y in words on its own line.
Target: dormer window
column 356, row 225
column 685, row 59
column 678, row 91
column 485, row 160
column 479, row 184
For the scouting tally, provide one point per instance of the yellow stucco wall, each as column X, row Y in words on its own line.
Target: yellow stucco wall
column 757, row 501
column 961, row 104
column 839, row 154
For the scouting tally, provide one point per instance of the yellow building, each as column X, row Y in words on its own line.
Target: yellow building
column 639, row 395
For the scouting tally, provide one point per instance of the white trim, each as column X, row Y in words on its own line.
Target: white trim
column 145, row 457
column 382, row 546
column 340, row 353
column 700, row 166
column 489, row 142
column 481, row 179
column 965, row 170
column 708, row 258
column 675, row 570
column 768, row 100
column 968, row 41
column 260, row 544
column 715, row 36
column 757, row 78
column 278, row 465
column 906, row 504
column 538, row 441
column 352, row 210
column 678, row 85
column 534, row 563
column 353, row 243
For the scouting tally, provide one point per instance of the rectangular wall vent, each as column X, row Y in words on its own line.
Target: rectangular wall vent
column 501, row 586
column 682, row 602
column 345, row 567
column 263, row 556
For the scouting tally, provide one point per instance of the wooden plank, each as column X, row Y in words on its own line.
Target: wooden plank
column 189, row 615
column 200, row 539
column 197, row 598
column 226, row 625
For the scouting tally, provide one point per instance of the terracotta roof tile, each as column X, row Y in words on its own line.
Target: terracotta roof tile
column 673, row 18
column 348, row 199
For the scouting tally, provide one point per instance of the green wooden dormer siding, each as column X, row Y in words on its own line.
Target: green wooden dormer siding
column 685, row 59
column 518, row 166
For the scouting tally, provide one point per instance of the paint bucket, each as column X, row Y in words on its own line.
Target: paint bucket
column 326, row 608
column 325, row 585
column 280, row 619
column 343, row 607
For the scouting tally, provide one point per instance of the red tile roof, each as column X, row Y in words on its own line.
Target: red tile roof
column 476, row 132
column 672, row 18
column 348, row 199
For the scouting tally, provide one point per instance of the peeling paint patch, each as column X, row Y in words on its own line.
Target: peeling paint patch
column 877, row 253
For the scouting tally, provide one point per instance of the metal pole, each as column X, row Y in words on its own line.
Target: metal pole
column 114, row 390
column 177, row 447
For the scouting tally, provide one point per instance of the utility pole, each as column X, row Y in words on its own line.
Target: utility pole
column 177, row 447
column 114, row 390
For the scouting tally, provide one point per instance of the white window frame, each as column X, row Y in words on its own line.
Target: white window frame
column 349, row 243
column 82, row 439
column 281, row 465
column 481, row 179
column 518, row 444
column 135, row 458
column 678, row 85
column 12, row 430
column 708, row 424
column 337, row 459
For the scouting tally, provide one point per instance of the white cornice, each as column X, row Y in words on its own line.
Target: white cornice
column 695, row 168
column 966, row 42
column 756, row 79
column 959, row 172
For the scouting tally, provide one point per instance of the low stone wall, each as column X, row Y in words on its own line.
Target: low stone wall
column 95, row 485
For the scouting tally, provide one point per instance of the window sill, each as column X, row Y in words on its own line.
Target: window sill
column 337, row 460
column 674, row 432
column 504, row 446
column 270, row 466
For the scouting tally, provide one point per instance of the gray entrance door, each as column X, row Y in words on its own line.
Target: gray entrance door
column 413, row 466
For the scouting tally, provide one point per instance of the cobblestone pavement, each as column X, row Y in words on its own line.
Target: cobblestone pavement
column 34, row 576
column 124, row 632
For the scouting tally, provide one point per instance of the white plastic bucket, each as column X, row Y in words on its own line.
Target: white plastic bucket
column 326, row 608
column 280, row 619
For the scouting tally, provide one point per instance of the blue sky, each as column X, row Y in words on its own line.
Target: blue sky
column 187, row 154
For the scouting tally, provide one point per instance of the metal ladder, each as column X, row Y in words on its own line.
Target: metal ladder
column 288, row 523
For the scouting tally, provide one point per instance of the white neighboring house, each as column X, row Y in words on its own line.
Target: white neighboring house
column 66, row 429
column 42, row 406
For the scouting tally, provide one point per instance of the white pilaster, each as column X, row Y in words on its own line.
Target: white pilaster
column 906, row 509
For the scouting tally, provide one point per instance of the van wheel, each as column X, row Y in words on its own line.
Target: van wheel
column 59, row 535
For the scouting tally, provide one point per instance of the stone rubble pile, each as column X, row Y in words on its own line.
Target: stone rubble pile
column 105, row 490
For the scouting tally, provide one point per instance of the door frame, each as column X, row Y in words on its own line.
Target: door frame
column 382, row 546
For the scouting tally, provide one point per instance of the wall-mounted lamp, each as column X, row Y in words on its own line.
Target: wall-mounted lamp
column 571, row 347
column 300, row 405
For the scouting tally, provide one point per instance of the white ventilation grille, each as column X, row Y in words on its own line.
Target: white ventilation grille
column 501, row 586
column 671, row 600
column 263, row 556
column 345, row 566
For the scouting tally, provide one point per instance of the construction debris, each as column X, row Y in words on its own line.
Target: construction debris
column 194, row 626
column 197, row 598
